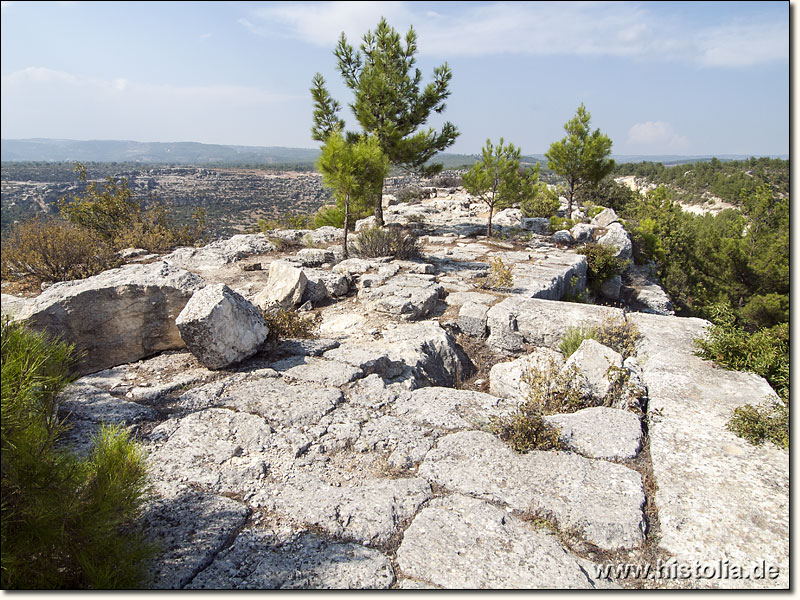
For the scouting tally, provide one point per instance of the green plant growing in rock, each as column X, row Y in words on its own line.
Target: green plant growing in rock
column 375, row 242
column 574, row 337
column 764, row 352
column 602, row 264
column 757, row 424
column 560, row 223
column 290, row 324
column 67, row 521
column 619, row 334
column 542, row 203
column 500, row 276
column 526, row 430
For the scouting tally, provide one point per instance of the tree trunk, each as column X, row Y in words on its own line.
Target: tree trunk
column 379, row 209
column 346, row 223
column 489, row 227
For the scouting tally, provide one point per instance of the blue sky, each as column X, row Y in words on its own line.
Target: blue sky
column 658, row 77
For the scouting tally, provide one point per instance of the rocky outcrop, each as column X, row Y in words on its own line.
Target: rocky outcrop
column 517, row 321
column 285, row 287
column 702, row 468
column 601, row 501
column 479, row 546
column 364, row 458
column 220, row 327
column 118, row 316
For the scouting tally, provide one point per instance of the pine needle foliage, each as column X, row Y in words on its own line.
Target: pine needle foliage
column 62, row 515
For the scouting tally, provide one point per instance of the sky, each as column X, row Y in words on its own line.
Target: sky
column 686, row 78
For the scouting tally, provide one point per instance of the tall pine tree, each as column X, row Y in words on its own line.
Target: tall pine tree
column 389, row 102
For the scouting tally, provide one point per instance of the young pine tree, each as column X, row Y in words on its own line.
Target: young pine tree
column 389, row 103
column 354, row 169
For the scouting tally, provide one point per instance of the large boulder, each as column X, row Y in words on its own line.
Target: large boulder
column 605, row 218
column 220, row 327
column 284, row 288
column 507, row 379
column 596, row 365
column 616, row 237
column 118, row 316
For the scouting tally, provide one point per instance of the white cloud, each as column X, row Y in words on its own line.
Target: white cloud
column 612, row 29
column 321, row 23
column 656, row 133
column 744, row 44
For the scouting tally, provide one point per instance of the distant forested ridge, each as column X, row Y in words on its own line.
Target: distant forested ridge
column 729, row 180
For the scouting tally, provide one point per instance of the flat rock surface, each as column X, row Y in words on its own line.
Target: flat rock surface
column 255, row 561
column 600, row 501
column 718, row 496
column 190, row 527
column 601, row 432
column 369, row 514
column 462, row 543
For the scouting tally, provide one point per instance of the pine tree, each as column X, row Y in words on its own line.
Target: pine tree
column 354, row 169
column 582, row 157
column 388, row 101
column 498, row 180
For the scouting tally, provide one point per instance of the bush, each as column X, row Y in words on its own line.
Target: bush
column 46, row 249
column 500, row 276
column 765, row 353
column 550, row 391
column 446, row 181
column 602, row 264
column 62, row 516
column 111, row 213
column 375, row 242
column 410, row 194
column 527, row 430
column 289, row 324
column 619, row 334
column 573, row 339
column 559, row 223
column 758, row 424
column 544, row 203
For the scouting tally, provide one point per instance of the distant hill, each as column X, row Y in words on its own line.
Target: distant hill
column 194, row 153
column 177, row 153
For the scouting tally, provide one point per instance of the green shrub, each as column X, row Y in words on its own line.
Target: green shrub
column 111, row 213
column 765, row 353
column 619, row 334
column 543, row 203
column 602, row 264
column 758, row 424
column 559, row 223
column 500, row 276
column 66, row 521
column 290, row 324
column 46, row 249
column 574, row 337
column 526, row 430
column 375, row 242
